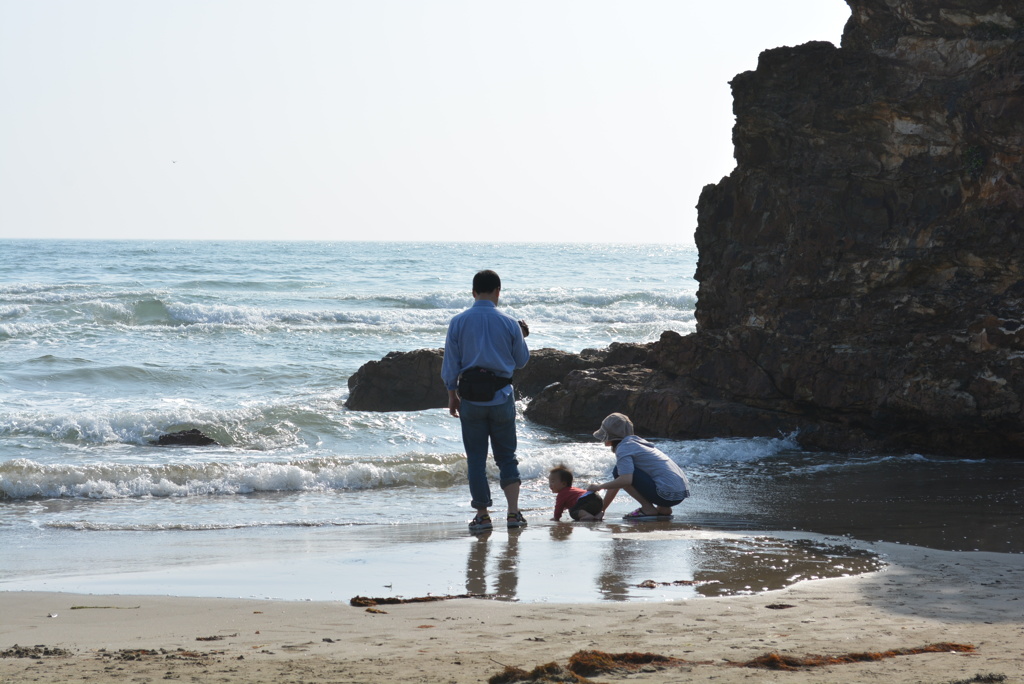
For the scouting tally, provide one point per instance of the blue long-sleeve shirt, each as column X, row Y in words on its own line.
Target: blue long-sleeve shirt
column 485, row 337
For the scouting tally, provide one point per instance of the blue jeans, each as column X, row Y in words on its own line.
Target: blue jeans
column 496, row 424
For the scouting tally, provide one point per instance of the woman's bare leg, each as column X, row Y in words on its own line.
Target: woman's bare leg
column 646, row 506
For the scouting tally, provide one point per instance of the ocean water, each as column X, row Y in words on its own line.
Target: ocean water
column 106, row 345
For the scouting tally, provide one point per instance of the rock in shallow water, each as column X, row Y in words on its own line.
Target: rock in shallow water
column 191, row 437
column 411, row 381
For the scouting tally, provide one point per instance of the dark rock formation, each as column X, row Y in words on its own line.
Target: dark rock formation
column 861, row 270
column 660, row 403
column 401, row 381
column 411, row 381
column 191, row 437
column 548, row 366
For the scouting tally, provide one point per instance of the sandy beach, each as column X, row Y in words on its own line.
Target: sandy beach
column 923, row 597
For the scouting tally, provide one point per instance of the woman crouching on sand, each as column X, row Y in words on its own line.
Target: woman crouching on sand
column 647, row 475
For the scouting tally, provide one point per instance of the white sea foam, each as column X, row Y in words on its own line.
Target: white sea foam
column 712, row 451
column 15, row 289
column 67, row 294
column 13, row 311
column 244, row 427
column 88, row 526
column 870, row 462
column 24, row 330
column 23, row 478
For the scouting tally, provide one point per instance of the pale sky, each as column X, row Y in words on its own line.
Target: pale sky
column 522, row 120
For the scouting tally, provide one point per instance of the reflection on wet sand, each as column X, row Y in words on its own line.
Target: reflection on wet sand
column 619, row 564
column 654, row 561
column 557, row 562
column 505, row 576
column 748, row 565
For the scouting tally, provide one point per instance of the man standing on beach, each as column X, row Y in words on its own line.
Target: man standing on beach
column 482, row 349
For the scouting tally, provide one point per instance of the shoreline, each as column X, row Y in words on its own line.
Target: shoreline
column 922, row 597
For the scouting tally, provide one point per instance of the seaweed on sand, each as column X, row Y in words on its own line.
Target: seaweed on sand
column 584, row 663
column 598, row 662
column 589, row 663
column 363, row 601
column 776, row 661
column 651, row 584
column 542, row 674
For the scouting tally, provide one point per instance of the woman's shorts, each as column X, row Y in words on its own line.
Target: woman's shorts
column 592, row 503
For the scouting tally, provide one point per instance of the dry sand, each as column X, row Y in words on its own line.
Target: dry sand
column 924, row 597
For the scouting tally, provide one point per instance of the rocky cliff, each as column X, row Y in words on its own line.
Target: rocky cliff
column 861, row 269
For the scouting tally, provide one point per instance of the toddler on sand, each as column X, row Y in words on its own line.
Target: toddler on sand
column 581, row 504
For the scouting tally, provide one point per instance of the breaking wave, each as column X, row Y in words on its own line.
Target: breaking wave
column 23, row 478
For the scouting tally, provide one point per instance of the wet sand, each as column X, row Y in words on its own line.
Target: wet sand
column 545, row 562
column 922, row 597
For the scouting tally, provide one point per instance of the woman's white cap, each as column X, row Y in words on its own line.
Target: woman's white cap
column 616, row 426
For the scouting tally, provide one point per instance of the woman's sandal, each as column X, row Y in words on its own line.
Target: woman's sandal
column 639, row 514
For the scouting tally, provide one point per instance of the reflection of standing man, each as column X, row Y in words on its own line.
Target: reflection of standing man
column 482, row 349
column 505, row 575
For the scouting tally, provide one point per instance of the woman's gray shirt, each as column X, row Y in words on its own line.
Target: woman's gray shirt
column 634, row 453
